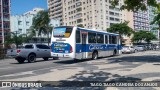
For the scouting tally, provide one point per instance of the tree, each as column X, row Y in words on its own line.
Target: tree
column 16, row 39
column 135, row 5
column 150, row 36
column 156, row 20
column 80, row 25
column 143, row 36
column 41, row 24
column 121, row 28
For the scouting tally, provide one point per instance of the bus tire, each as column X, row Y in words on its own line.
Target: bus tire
column 76, row 60
column 95, row 55
column 115, row 52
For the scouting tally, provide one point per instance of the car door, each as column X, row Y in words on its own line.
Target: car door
column 132, row 49
column 39, row 51
column 46, row 51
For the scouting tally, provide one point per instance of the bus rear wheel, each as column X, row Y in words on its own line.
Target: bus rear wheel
column 114, row 52
column 95, row 55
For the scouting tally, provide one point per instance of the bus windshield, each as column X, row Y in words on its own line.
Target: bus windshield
column 63, row 32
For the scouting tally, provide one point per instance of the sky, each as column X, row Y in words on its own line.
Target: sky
column 19, row 7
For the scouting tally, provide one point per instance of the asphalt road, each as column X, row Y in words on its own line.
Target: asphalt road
column 11, row 66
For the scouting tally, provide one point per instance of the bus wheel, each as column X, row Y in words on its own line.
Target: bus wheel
column 94, row 55
column 115, row 52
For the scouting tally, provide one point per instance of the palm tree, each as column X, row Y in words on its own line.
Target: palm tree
column 41, row 23
column 12, row 37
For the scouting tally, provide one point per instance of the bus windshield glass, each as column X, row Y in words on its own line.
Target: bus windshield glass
column 62, row 32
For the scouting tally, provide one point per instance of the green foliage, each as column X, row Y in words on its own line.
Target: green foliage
column 121, row 28
column 156, row 19
column 41, row 24
column 18, row 40
column 80, row 25
column 143, row 35
column 135, row 5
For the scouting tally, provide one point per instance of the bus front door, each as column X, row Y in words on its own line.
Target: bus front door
column 84, row 39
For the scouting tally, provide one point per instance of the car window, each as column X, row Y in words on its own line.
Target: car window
column 42, row 47
column 45, row 47
column 39, row 46
column 28, row 47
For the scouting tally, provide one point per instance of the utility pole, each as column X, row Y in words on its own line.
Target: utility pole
column 3, row 35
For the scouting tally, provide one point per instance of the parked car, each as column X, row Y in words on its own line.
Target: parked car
column 128, row 49
column 140, row 47
column 32, row 51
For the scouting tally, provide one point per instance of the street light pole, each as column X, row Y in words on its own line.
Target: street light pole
column 3, row 35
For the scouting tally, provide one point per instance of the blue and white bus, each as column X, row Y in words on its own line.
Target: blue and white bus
column 81, row 43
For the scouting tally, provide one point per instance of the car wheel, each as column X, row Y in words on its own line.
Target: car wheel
column 46, row 58
column 94, row 55
column 20, row 60
column 136, row 51
column 31, row 58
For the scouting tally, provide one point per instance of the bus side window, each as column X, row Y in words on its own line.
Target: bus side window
column 106, row 39
column 114, row 39
column 92, row 37
column 110, row 39
column 78, row 38
column 100, row 38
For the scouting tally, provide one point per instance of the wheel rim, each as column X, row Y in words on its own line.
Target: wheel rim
column 95, row 56
column 32, row 58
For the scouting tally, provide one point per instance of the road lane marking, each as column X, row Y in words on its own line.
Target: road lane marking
column 18, row 74
column 5, row 67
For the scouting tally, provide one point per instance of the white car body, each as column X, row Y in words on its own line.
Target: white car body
column 128, row 49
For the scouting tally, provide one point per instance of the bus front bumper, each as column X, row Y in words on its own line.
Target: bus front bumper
column 62, row 55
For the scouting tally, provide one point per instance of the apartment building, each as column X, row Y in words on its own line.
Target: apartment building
column 55, row 9
column 22, row 23
column 93, row 14
column 141, row 20
column 4, row 20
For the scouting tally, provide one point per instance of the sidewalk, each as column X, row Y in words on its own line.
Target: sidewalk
column 104, row 72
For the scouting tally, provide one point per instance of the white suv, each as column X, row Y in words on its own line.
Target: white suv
column 128, row 49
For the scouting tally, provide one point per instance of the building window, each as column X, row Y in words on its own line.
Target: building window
column 79, row 20
column 19, row 22
column 79, row 9
column 111, row 18
column 27, row 23
column 20, row 30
